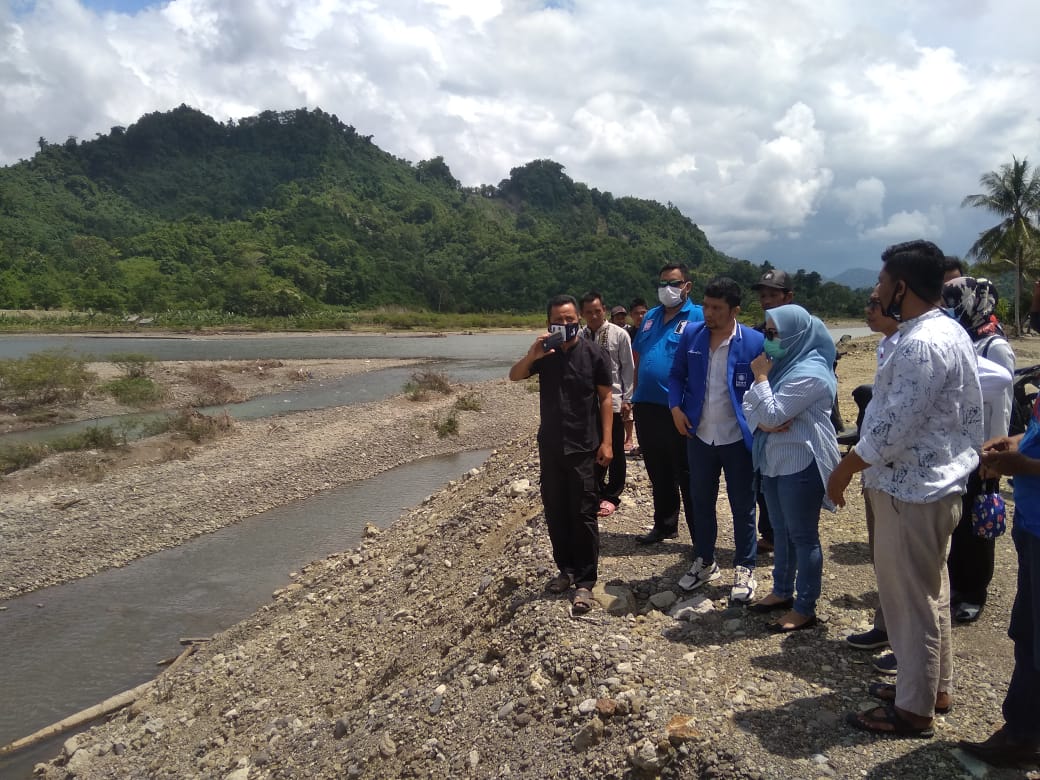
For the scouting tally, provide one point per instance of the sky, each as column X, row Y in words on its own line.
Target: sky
column 807, row 134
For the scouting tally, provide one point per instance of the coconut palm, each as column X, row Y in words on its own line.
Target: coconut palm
column 1013, row 193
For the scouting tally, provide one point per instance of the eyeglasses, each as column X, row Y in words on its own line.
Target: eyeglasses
column 771, row 333
column 874, row 303
column 671, row 283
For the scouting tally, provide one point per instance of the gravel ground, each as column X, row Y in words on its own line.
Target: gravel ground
column 432, row 649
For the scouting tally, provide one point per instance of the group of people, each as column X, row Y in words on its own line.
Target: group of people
column 710, row 397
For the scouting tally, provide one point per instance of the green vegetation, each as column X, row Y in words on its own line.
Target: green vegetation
column 422, row 383
column 19, row 456
column 42, row 378
column 140, row 391
column 447, row 426
column 133, row 364
column 292, row 220
column 468, row 403
column 1013, row 194
column 194, row 425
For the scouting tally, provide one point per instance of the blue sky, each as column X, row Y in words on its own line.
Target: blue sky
column 809, row 134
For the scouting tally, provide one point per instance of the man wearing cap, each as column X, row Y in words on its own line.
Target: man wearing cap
column 774, row 289
column 618, row 315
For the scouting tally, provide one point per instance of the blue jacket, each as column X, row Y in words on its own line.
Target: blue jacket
column 688, row 379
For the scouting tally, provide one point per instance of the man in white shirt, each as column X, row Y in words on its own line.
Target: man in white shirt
column 920, row 439
column 615, row 342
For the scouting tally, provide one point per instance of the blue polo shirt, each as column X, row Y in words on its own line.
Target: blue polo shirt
column 656, row 344
column 1027, row 488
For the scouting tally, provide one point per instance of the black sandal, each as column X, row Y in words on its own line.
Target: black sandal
column 887, row 692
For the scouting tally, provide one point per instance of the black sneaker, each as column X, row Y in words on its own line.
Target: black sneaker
column 886, row 664
column 868, row 640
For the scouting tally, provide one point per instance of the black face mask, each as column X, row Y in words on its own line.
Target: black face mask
column 893, row 308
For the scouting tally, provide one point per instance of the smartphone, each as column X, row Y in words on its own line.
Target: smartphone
column 554, row 341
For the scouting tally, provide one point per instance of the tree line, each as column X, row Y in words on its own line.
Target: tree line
column 284, row 212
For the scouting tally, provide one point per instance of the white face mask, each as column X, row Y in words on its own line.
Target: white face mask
column 670, row 297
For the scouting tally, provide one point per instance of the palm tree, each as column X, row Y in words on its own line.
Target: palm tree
column 1013, row 192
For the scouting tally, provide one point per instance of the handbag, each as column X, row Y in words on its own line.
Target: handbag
column 989, row 515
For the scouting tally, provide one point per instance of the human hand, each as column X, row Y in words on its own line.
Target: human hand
column 682, row 422
column 781, row 428
column 605, row 454
column 760, row 367
column 1008, row 463
column 837, row 484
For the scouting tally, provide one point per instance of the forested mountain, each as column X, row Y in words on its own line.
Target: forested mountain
column 283, row 212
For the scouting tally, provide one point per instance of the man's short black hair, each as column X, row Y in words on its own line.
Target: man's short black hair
column 589, row 297
column 681, row 267
column 921, row 264
column 951, row 263
column 638, row 302
column 725, row 288
column 561, row 300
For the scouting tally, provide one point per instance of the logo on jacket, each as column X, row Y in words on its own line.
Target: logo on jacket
column 681, row 326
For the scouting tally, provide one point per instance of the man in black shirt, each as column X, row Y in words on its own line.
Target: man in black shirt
column 574, row 393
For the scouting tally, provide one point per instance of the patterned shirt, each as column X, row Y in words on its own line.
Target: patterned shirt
column 923, row 428
column 615, row 342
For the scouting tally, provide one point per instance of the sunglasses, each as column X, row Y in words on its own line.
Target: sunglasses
column 671, row 283
column 771, row 333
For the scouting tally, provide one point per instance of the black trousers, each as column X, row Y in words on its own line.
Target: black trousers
column 970, row 562
column 664, row 455
column 611, row 480
column 570, row 501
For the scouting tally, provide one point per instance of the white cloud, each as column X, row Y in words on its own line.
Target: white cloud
column 788, row 127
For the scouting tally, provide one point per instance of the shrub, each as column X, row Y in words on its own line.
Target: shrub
column 134, row 365
column 422, row 383
column 46, row 377
column 215, row 390
column 134, row 391
column 468, row 403
column 20, row 456
column 199, row 427
column 447, row 426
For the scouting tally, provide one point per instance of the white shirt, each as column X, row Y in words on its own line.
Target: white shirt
column 718, row 424
column 617, row 345
column 923, row 428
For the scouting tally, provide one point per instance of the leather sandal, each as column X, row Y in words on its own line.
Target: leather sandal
column 887, row 721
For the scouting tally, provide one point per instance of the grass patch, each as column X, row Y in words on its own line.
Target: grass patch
column 422, row 383
column 47, row 377
column 15, row 457
column 193, row 424
column 214, row 389
column 20, row 456
column 447, row 426
column 468, row 403
column 133, row 364
column 140, row 391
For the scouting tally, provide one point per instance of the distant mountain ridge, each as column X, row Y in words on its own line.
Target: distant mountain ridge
column 857, row 278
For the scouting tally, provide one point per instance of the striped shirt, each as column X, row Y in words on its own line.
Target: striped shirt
column 806, row 404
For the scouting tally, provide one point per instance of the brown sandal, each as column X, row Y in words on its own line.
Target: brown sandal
column 558, row 584
column 887, row 692
column 582, row 602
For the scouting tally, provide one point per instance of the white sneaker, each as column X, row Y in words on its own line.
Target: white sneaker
column 743, row 585
column 698, row 574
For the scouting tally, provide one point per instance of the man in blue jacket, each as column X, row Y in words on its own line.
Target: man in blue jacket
column 709, row 376
column 664, row 452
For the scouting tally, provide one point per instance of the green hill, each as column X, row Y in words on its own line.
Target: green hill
column 284, row 212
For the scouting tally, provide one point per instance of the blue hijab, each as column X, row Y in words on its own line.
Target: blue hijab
column 810, row 352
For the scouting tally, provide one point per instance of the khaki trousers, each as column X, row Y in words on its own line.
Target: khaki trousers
column 879, row 613
column 911, row 542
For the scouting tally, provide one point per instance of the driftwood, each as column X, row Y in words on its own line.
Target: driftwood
column 117, row 702
column 194, row 640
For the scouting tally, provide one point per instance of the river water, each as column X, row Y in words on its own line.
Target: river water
column 71, row 646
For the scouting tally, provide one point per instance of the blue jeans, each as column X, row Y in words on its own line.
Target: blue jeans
column 794, row 502
column 707, row 463
column 1020, row 708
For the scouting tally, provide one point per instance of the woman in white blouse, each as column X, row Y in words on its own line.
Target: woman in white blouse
column 794, row 452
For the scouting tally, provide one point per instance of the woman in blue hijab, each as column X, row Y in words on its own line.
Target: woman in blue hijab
column 794, row 452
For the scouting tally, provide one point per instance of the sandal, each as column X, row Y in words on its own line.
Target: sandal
column 887, row 692
column 559, row 583
column 606, row 509
column 887, row 721
column 583, row 601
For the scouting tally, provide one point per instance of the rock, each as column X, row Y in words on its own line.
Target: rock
column 370, row 531
column 732, row 625
column 606, row 708
column 70, row 746
column 615, row 599
column 587, row 707
column 588, row 735
column 242, row 773
column 647, row 756
column 682, row 728
column 518, row 488
column 663, row 599
column 473, row 759
column 79, row 763
column 387, row 746
column 537, row 683
column 692, row 608
column 340, row 729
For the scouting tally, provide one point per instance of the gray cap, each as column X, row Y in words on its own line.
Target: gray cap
column 778, row 280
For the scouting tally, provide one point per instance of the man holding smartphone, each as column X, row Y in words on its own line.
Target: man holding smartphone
column 574, row 436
